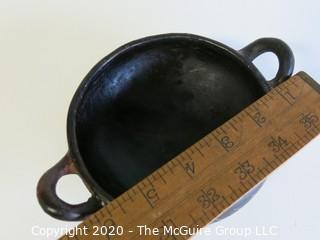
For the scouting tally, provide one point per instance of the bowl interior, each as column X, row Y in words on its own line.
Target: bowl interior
column 152, row 101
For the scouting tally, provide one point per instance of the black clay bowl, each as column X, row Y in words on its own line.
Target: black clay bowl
column 145, row 103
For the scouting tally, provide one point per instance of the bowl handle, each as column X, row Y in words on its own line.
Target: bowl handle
column 52, row 204
column 280, row 49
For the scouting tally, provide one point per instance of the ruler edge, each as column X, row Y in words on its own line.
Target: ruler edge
column 308, row 79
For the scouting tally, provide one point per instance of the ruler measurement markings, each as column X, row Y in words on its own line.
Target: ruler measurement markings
column 255, row 108
column 218, row 130
column 264, row 102
column 106, row 209
column 120, row 205
column 200, row 144
column 240, row 190
column 170, row 169
column 102, row 214
column 246, row 188
column 187, row 155
column 284, row 97
column 156, row 176
column 190, row 150
column 150, row 182
column 198, row 150
column 206, row 142
column 233, row 126
column 173, row 163
column 184, row 168
column 222, row 129
column 253, row 119
column 145, row 197
column 129, row 196
column 161, row 177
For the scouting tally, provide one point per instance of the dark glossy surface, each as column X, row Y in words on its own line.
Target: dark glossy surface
column 146, row 102
column 154, row 101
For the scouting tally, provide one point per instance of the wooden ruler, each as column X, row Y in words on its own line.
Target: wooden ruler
column 202, row 182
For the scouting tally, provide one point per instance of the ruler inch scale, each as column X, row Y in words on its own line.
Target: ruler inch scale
column 206, row 179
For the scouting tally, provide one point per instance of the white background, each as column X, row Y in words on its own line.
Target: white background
column 47, row 47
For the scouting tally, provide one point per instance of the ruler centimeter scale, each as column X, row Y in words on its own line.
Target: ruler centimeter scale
column 202, row 182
